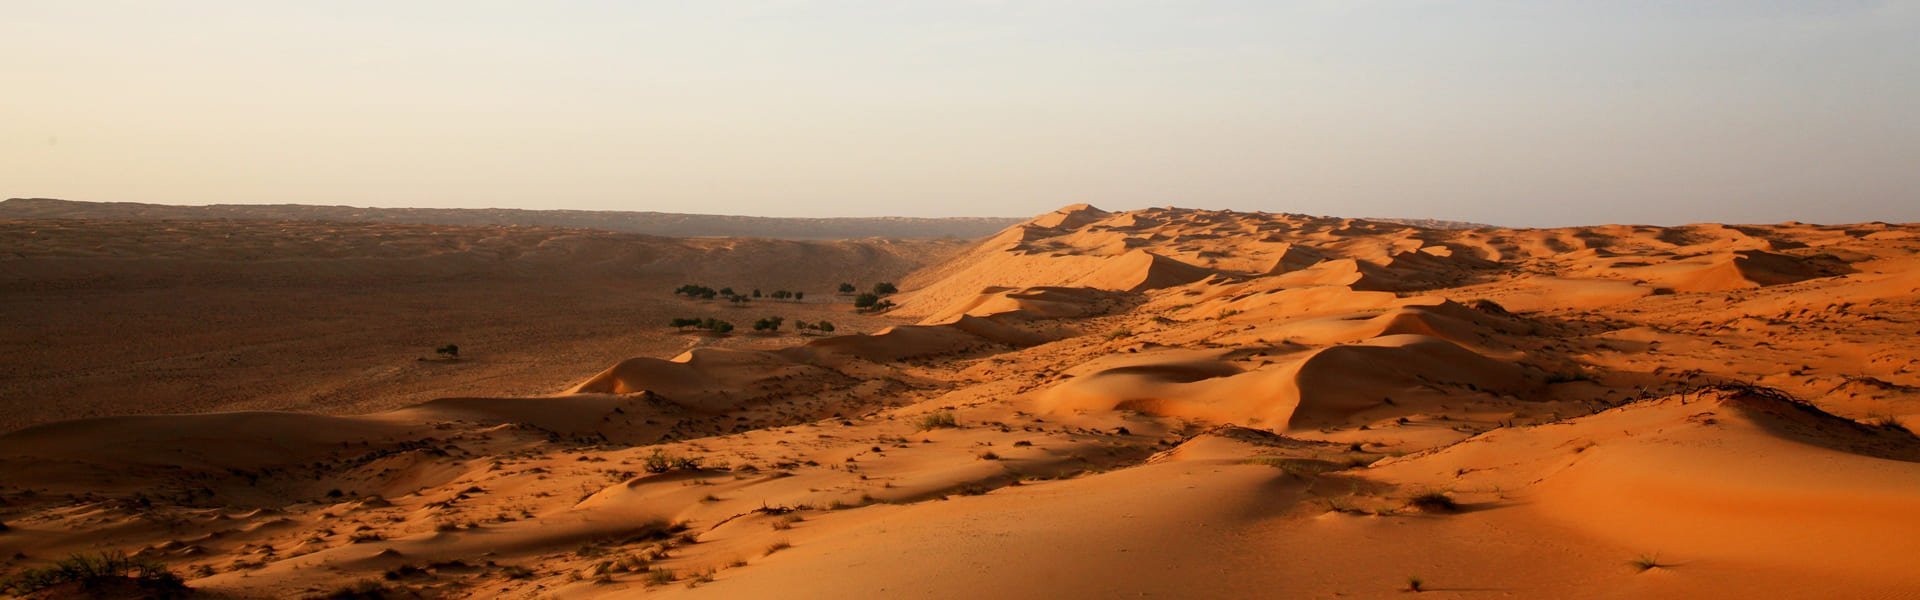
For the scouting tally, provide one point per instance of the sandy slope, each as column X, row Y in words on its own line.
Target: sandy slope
column 123, row 317
column 1162, row 403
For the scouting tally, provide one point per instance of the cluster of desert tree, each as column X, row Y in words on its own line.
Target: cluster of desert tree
column 871, row 301
column 701, row 292
column 768, row 324
column 772, row 324
column 708, row 324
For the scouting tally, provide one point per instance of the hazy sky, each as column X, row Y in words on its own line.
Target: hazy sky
column 1509, row 112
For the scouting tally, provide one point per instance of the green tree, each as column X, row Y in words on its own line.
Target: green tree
column 847, row 288
column 865, row 301
column 885, row 287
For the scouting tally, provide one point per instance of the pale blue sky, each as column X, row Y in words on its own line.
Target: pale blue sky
column 1519, row 113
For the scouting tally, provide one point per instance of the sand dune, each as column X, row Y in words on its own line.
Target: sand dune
column 1163, row 402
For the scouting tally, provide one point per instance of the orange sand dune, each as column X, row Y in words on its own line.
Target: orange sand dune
column 1163, row 402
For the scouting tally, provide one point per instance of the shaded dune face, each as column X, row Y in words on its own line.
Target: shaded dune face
column 1166, row 402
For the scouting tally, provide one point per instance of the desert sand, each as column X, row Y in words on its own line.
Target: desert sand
column 651, row 223
column 1155, row 403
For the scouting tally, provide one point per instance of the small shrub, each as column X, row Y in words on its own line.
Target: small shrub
column 700, row 578
column 939, row 420
column 403, row 572
column 786, row 521
column 450, row 351
column 1415, row 584
column 1295, row 466
column 97, row 570
column 660, row 577
column 1645, row 562
column 1568, row 377
column 1885, row 422
column 516, row 572
column 661, row 462
column 778, row 546
column 1433, row 501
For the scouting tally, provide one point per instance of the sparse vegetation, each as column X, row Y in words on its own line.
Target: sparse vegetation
column 1433, row 501
column 657, row 577
column 700, row 578
column 769, row 324
column 1295, row 466
column 938, row 420
column 822, row 326
column 1489, row 306
column 786, row 521
column 1646, row 562
column 1885, row 421
column 365, row 589
column 1416, row 584
column 516, row 572
column 778, row 546
column 871, row 302
column 451, row 351
column 1568, row 377
column 661, row 461
column 698, row 292
column 107, row 572
column 847, row 288
column 713, row 325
